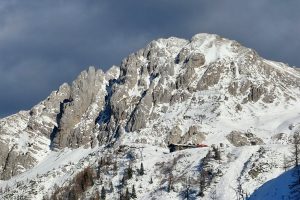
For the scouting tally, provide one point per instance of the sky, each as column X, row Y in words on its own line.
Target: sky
column 44, row 43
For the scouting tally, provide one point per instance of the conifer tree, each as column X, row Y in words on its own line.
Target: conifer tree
column 111, row 186
column 100, row 163
column 103, row 193
column 127, row 195
column 115, row 166
column 151, row 181
column 123, row 181
column 133, row 193
column 142, row 172
column 217, row 153
column 129, row 172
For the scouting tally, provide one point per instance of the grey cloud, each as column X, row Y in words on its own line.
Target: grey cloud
column 44, row 43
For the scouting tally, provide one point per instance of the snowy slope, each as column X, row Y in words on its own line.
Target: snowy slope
column 235, row 165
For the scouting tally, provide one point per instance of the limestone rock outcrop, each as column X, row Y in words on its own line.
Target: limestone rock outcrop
column 80, row 110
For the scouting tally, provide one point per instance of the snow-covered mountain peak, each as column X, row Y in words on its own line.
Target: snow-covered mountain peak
column 178, row 72
column 207, row 90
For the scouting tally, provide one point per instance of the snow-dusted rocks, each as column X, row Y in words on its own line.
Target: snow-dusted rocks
column 237, row 139
column 24, row 137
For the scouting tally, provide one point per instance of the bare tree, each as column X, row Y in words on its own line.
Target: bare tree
column 202, row 183
column 213, row 195
column 187, row 188
column 170, row 182
column 296, row 148
column 286, row 163
column 204, row 175
column 296, row 154
column 239, row 192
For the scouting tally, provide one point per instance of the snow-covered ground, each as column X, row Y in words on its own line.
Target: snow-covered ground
column 236, row 167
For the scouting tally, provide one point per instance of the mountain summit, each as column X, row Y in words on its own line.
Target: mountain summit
column 208, row 90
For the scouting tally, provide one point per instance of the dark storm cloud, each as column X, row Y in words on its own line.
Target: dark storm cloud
column 44, row 43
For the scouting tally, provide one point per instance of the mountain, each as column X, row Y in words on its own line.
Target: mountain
column 208, row 90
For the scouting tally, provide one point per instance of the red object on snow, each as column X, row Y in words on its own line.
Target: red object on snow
column 201, row 145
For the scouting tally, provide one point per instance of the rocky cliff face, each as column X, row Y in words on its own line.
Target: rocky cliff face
column 173, row 84
column 79, row 110
column 24, row 137
column 65, row 119
column 172, row 91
